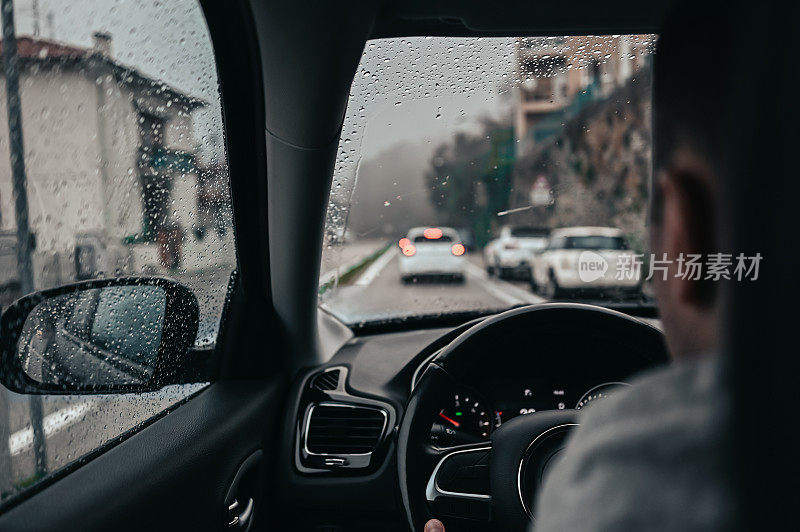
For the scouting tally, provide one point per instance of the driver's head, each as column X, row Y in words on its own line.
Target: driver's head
column 687, row 146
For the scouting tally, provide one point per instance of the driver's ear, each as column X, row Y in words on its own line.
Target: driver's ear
column 688, row 225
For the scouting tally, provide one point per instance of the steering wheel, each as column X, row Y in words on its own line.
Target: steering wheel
column 492, row 484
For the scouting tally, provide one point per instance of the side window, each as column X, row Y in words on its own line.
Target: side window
column 112, row 163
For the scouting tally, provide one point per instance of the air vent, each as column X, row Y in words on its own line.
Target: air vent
column 326, row 381
column 340, row 429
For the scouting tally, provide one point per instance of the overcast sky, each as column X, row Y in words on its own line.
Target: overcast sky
column 424, row 87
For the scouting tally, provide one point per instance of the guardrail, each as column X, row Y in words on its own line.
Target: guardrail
column 348, row 272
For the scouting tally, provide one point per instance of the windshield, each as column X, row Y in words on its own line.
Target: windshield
column 513, row 137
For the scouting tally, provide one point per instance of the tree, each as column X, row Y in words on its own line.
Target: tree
column 469, row 177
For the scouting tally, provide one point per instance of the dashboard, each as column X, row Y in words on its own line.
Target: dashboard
column 509, row 371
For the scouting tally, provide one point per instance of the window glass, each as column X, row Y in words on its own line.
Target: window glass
column 443, row 238
column 595, row 242
column 123, row 169
column 513, row 137
column 528, row 232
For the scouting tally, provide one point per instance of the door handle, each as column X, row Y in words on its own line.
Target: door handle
column 240, row 501
column 240, row 517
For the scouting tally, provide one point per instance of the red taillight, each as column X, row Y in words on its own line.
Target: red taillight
column 432, row 233
column 458, row 250
column 409, row 250
column 403, row 242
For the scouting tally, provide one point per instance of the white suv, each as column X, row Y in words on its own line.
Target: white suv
column 509, row 255
column 586, row 260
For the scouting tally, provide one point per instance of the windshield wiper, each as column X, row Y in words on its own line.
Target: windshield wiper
column 422, row 321
column 644, row 307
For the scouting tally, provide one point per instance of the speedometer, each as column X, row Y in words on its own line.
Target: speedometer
column 601, row 391
column 464, row 420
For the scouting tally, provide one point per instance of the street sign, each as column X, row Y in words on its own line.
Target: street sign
column 541, row 194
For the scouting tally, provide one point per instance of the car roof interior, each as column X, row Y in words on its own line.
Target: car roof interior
column 285, row 71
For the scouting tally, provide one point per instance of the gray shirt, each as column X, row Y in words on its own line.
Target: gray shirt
column 651, row 457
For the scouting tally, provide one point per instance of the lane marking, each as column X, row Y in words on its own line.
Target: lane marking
column 376, row 267
column 525, row 295
column 53, row 423
column 484, row 282
column 498, row 286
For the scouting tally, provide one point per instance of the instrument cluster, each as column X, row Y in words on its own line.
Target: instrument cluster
column 471, row 415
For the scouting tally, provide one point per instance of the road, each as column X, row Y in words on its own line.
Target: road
column 75, row 426
column 378, row 293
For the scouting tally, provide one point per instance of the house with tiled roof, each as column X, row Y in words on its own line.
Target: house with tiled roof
column 99, row 137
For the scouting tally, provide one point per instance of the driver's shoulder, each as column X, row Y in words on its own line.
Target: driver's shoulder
column 680, row 405
column 681, row 387
column 654, row 445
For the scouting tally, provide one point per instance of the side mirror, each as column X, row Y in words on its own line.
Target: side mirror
column 127, row 334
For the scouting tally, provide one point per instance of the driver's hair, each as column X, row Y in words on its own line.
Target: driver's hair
column 689, row 73
column 690, row 70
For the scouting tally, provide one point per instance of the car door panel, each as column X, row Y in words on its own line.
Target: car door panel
column 173, row 474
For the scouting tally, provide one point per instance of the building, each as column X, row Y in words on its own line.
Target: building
column 584, row 157
column 105, row 147
column 557, row 75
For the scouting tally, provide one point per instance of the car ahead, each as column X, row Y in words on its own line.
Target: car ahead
column 432, row 253
column 587, row 261
column 509, row 256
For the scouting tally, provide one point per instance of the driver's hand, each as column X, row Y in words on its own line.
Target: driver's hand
column 434, row 525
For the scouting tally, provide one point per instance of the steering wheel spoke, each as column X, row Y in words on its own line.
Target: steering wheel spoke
column 459, row 485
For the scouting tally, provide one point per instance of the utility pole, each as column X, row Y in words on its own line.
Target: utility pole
column 35, row 8
column 6, row 471
column 24, row 240
column 51, row 25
